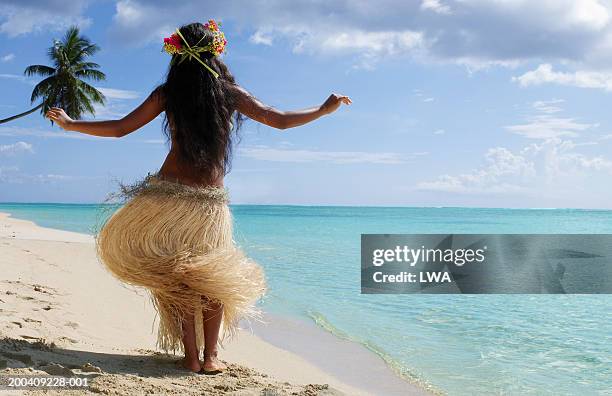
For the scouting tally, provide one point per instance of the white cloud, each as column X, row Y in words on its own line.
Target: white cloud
column 429, row 100
column 501, row 164
column 548, row 106
column 58, row 133
column 550, row 164
column 115, row 106
column 439, row 132
column 547, row 127
column 7, row 57
column 13, row 175
column 114, row 93
column 261, row 37
column 560, row 161
column 376, row 42
column 19, row 17
column 265, row 153
column 7, row 173
column 14, row 77
column 544, row 125
column 368, row 46
column 544, row 74
column 15, row 148
column 475, row 33
column 435, row 6
column 555, row 15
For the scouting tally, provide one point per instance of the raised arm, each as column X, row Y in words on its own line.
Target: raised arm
column 143, row 114
column 251, row 107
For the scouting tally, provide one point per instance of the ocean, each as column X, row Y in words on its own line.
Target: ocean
column 458, row 344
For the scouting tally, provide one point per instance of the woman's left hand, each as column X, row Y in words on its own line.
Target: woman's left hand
column 334, row 101
column 60, row 117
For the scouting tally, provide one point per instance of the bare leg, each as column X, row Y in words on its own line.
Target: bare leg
column 212, row 317
column 191, row 361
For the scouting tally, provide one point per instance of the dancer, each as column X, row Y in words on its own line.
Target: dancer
column 173, row 235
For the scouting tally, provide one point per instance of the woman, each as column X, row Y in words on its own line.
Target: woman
column 174, row 234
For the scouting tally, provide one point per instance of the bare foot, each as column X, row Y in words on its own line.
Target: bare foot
column 212, row 364
column 193, row 366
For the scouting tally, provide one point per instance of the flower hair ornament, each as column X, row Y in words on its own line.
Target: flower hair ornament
column 176, row 44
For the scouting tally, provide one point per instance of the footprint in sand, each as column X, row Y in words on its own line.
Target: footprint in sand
column 56, row 369
column 68, row 339
column 40, row 289
column 18, row 324
column 72, row 325
column 90, row 368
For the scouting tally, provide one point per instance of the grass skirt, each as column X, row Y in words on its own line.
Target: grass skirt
column 176, row 241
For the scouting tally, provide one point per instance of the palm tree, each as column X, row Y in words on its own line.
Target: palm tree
column 63, row 85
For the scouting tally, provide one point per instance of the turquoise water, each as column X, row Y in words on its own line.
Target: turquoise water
column 460, row 344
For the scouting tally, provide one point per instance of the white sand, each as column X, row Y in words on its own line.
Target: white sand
column 61, row 310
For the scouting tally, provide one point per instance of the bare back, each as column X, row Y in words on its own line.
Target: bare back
column 174, row 170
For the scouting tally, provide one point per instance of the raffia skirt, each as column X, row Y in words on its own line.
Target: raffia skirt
column 176, row 241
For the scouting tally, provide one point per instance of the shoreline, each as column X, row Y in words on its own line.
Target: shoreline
column 296, row 353
column 350, row 361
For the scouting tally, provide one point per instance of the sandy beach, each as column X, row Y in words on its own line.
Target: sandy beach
column 63, row 314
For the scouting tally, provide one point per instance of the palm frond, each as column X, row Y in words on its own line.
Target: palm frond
column 42, row 88
column 41, row 70
column 88, row 65
column 95, row 75
column 87, row 105
column 92, row 93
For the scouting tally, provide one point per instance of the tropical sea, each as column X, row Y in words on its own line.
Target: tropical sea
column 459, row 344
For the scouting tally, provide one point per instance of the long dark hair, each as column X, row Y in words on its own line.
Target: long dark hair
column 199, row 108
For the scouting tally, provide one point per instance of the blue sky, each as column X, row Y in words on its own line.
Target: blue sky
column 497, row 103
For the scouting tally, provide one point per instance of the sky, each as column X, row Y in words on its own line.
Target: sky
column 477, row 103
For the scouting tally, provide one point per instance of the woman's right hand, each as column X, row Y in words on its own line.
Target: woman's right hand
column 59, row 116
column 333, row 102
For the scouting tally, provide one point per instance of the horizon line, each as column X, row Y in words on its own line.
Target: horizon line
column 332, row 206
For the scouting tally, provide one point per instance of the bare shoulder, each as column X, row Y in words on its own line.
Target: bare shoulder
column 237, row 91
column 245, row 102
column 157, row 96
